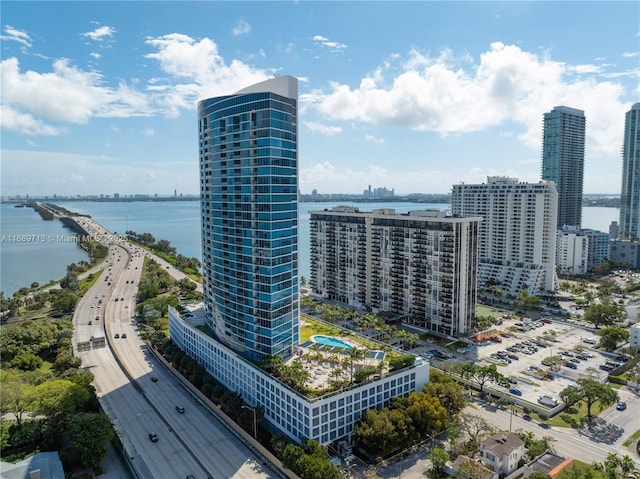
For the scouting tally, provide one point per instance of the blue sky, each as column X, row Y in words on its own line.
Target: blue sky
column 100, row 97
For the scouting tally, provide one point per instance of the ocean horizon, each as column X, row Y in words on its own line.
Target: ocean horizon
column 34, row 250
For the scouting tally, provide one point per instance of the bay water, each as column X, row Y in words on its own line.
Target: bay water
column 23, row 262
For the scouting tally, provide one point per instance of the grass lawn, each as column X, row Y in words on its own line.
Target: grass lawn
column 312, row 327
column 572, row 416
column 633, row 437
column 482, row 310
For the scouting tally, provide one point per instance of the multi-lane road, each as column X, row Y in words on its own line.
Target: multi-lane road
column 138, row 393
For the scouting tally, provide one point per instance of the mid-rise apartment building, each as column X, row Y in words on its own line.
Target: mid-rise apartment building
column 572, row 251
column 420, row 266
column 598, row 247
column 563, row 145
column 630, row 193
column 517, row 237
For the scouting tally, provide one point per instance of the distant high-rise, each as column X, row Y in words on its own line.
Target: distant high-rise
column 563, row 144
column 249, row 209
column 630, row 193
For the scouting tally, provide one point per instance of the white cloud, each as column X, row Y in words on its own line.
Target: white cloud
column 241, row 28
column 323, row 129
column 200, row 67
column 452, row 95
column 100, row 33
column 630, row 54
column 148, row 132
column 372, row 138
column 95, row 55
column 14, row 35
column 25, row 123
column 66, row 94
column 325, row 42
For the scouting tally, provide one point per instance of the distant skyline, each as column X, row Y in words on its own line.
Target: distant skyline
column 412, row 96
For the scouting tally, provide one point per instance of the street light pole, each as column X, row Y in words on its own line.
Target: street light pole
column 511, row 418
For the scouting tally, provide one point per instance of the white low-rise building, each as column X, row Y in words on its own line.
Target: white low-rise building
column 325, row 419
column 634, row 337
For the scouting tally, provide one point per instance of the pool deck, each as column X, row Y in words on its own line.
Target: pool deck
column 322, row 370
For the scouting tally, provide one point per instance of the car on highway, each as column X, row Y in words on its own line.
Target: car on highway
column 153, row 437
column 154, row 379
column 621, row 406
column 526, row 417
column 90, row 323
column 180, row 408
column 117, row 336
column 124, row 336
column 515, row 391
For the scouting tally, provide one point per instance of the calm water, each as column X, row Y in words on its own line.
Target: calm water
column 33, row 249
column 175, row 221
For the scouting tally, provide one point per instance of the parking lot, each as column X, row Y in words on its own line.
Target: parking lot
column 522, row 348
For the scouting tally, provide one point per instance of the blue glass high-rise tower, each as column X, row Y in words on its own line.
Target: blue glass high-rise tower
column 249, row 210
column 563, row 146
column 630, row 193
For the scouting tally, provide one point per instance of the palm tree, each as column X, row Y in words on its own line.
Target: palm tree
column 628, row 466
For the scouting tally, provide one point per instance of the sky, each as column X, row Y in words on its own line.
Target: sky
column 100, row 97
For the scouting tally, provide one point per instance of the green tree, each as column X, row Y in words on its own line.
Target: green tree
column 611, row 336
column 606, row 313
column 482, row 374
column 15, row 394
column 89, row 435
column 592, row 392
column 535, row 446
column 58, row 398
column 449, row 392
column 381, row 432
column 439, row 458
column 526, row 302
column 26, row 362
column 425, row 412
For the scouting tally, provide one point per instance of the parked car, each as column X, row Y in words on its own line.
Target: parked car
column 571, row 365
column 515, row 391
column 621, row 406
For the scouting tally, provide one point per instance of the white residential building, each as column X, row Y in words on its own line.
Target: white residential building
column 502, row 452
column 517, row 239
column 572, row 250
column 420, row 265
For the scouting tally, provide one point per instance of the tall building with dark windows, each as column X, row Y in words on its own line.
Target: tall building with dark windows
column 563, row 145
column 249, row 209
column 630, row 193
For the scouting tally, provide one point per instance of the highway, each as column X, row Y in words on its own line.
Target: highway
column 192, row 442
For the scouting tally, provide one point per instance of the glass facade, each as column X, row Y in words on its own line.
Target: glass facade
column 249, row 210
column 630, row 194
column 563, row 147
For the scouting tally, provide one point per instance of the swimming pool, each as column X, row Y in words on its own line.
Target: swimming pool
column 330, row 341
